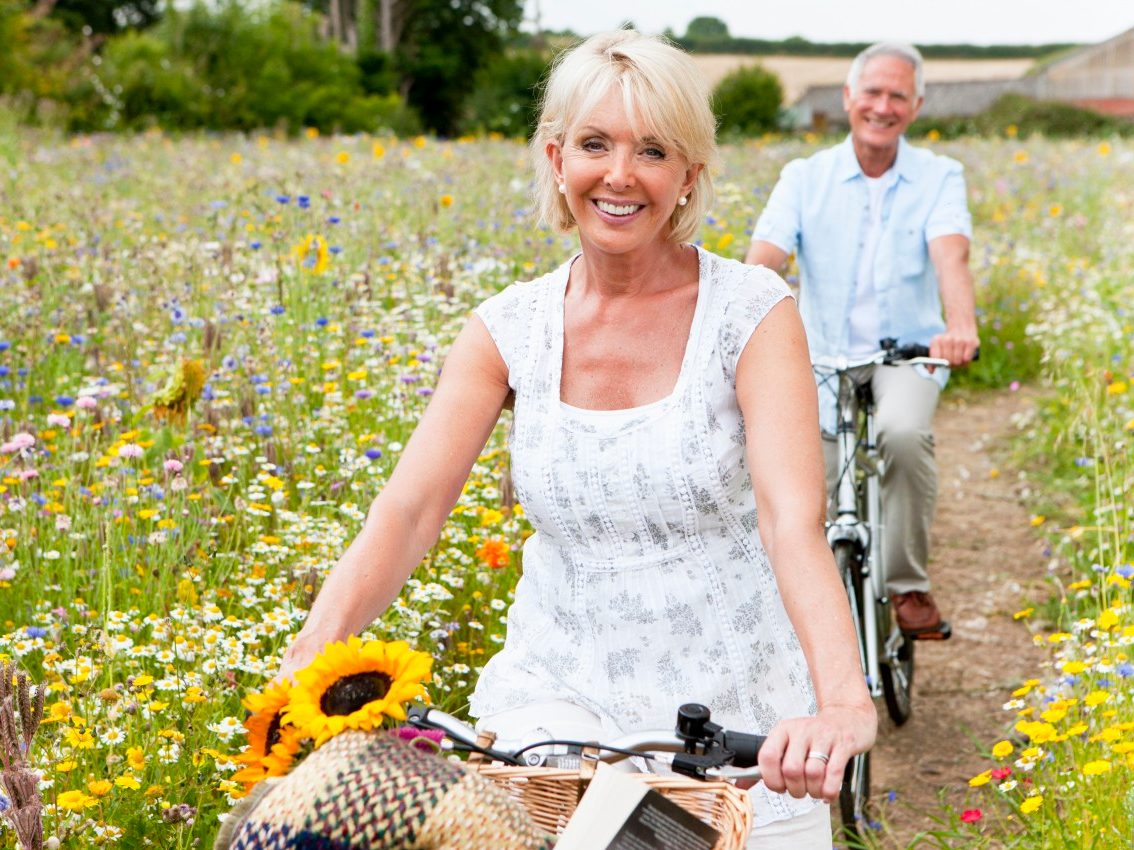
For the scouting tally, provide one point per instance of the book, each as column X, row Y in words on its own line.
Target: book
column 620, row 812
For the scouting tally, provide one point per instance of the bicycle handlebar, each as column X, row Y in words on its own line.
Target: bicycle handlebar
column 890, row 354
column 696, row 747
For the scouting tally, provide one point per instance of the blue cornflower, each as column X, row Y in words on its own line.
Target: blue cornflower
column 1125, row 670
column 36, row 631
column 283, row 199
column 366, row 334
column 5, row 345
column 374, row 454
column 322, row 321
column 335, row 249
column 277, row 310
column 255, row 244
column 333, row 219
column 1125, row 570
column 264, row 430
column 304, row 201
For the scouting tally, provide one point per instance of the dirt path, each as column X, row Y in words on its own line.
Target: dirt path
column 986, row 562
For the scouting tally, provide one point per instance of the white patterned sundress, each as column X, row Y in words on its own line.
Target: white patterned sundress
column 646, row 584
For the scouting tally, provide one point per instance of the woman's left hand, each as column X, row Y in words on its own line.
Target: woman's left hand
column 791, row 759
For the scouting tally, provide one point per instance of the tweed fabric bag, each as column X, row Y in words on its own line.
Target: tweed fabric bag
column 371, row 791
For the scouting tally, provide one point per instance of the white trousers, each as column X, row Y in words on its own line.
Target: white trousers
column 563, row 720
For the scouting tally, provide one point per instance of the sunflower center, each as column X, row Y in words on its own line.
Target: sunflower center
column 350, row 693
column 273, row 736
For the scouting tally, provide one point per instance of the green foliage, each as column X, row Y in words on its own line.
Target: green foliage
column 505, row 96
column 706, row 28
column 747, row 101
column 228, row 69
column 798, row 46
column 444, row 44
column 107, row 16
column 1028, row 116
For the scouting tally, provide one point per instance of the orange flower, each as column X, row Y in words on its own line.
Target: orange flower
column 495, row 554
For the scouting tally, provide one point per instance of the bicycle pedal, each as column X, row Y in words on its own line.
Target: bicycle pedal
column 941, row 632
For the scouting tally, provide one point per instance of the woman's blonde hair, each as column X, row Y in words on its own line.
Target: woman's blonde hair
column 661, row 88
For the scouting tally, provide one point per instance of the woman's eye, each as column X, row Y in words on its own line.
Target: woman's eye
column 655, row 153
column 592, row 145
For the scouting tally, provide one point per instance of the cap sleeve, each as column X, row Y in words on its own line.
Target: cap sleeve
column 754, row 291
column 509, row 316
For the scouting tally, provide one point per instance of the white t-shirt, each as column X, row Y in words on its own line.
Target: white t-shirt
column 864, row 318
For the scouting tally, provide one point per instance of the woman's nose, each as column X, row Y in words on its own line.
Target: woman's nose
column 620, row 171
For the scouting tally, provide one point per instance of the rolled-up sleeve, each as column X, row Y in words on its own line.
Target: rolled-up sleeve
column 779, row 223
column 950, row 215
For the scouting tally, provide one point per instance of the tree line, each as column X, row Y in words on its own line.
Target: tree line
column 449, row 67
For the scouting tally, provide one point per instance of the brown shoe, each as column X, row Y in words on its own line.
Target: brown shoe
column 918, row 616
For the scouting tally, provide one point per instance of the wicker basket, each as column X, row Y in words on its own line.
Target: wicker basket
column 550, row 796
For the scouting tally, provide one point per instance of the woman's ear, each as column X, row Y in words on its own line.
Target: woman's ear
column 554, row 153
column 691, row 175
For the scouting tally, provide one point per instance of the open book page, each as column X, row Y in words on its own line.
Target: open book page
column 620, row 812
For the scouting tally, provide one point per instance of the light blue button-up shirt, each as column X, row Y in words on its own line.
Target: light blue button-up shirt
column 819, row 210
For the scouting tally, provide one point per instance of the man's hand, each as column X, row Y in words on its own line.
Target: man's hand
column 958, row 347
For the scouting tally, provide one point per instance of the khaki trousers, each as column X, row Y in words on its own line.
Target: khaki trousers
column 905, row 402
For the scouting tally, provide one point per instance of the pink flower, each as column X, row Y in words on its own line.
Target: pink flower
column 173, row 466
column 59, row 420
column 26, row 474
column 7, row 574
column 131, row 450
column 86, row 402
column 971, row 815
column 20, row 441
column 1014, row 386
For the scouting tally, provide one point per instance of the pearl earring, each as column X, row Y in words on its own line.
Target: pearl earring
column 562, row 188
column 682, row 201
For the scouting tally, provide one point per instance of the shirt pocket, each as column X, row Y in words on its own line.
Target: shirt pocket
column 912, row 253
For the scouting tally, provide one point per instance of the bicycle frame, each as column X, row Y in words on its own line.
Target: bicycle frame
column 853, row 520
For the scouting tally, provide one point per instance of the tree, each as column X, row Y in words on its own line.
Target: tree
column 706, row 28
column 442, row 46
column 107, row 16
column 747, row 101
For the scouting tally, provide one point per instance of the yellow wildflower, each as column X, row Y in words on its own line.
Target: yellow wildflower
column 1031, row 804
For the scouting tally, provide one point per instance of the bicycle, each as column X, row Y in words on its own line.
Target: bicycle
column 856, row 535
column 705, row 758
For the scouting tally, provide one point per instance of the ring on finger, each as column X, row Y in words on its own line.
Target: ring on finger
column 823, row 757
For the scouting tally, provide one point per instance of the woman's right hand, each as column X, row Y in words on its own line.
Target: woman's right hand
column 299, row 653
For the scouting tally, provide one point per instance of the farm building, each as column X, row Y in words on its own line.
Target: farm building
column 1098, row 76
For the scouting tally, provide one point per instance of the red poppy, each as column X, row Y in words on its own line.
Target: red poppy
column 971, row 815
column 1001, row 773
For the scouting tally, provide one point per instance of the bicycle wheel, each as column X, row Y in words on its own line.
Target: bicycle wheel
column 897, row 671
column 854, row 796
column 855, row 793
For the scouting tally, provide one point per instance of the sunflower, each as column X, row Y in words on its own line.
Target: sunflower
column 272, row 742
column 355, row 685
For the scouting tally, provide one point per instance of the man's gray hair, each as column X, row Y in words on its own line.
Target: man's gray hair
column 897, row 49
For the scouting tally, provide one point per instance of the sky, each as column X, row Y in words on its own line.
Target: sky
column 919, row 21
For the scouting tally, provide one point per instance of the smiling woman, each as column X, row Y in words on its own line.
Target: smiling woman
column 665, row 447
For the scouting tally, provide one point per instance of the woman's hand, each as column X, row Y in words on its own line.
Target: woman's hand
column 299, row 653
column 789, row 760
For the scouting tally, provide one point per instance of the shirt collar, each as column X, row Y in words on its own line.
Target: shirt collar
column 848, row 167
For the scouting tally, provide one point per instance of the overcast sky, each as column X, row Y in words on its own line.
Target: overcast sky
column 921, row 21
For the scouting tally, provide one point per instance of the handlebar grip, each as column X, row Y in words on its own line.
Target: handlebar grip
column 911, row 350
column 745, row 746
column 915, row 349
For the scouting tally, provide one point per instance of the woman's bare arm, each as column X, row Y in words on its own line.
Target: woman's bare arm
column 777, row 396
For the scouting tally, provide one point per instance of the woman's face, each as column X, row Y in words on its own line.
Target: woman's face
column 621, row 189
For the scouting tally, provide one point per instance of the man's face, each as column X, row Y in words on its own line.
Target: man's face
column 883, row 103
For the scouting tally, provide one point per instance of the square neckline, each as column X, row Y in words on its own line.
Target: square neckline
column 590, row 414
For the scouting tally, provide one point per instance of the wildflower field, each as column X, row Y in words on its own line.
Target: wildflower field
column 212, row 350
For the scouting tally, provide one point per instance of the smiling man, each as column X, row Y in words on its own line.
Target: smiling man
column 881, row 231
